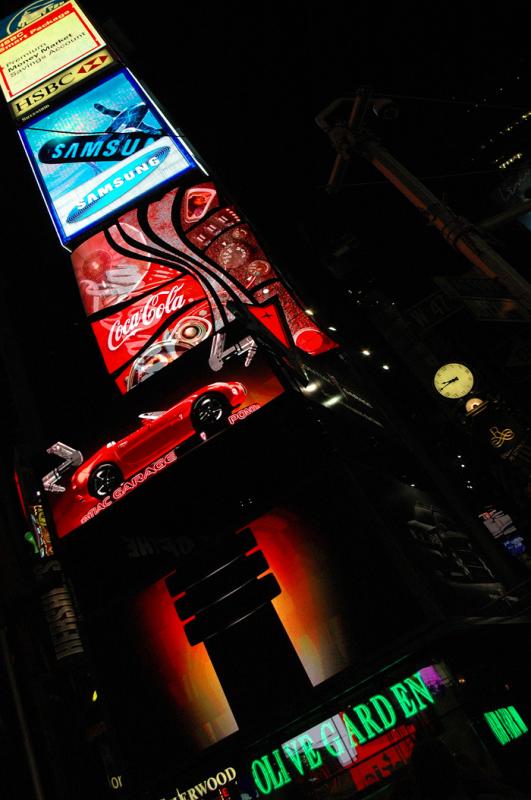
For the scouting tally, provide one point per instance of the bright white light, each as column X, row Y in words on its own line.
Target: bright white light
column 311, row 387
column 266, row 290
column 366, row 352
column 386, row 366
column 331, row 328
column 413, row 485
column 462, row 466
column 332, row 400
column 309, row 311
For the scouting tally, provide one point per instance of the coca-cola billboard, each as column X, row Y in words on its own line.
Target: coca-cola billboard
column 167, row 276
column 159, row 306
column 131, row 341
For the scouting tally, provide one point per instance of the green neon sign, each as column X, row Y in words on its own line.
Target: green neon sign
column 506, row 724
column 362, row 722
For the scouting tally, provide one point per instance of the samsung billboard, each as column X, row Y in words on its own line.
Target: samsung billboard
column 98, row 153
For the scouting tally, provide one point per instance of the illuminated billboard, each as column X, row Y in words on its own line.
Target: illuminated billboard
column 229, row 629
column 372, row 740
column 198, row 697
column 100, row 152
column 40, row 98
column 23, row 17
column 41, row 48
column 142, row 442
column 161, row 280
column 506, row 724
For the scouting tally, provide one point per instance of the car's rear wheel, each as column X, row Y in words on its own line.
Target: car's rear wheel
column 104, row 479
column 210, row 412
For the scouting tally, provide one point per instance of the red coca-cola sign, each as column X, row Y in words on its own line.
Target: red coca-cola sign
column 164, row 278
column 175, row 316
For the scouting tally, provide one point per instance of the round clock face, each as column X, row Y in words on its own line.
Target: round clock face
column 453, row 381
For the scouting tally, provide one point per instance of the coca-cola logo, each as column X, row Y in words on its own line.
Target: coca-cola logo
column 157, row 307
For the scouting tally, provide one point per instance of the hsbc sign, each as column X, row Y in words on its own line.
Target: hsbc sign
column 39, row 99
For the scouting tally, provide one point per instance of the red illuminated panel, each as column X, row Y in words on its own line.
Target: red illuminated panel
column 166, row 323
column 184, row 674
column 306, row 604
column 378, row 759
column 106, row 277
column 193, row 239
column 20, row 494
column 198, row 201
column 307, row 607
column 159, row 437
column 271, row 317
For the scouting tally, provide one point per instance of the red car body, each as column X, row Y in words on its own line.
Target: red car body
column 200, row 412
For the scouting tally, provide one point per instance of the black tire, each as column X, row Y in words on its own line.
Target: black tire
column 210, row 412
column 104, row 479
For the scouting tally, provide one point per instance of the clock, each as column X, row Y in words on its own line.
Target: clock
column 453, row 381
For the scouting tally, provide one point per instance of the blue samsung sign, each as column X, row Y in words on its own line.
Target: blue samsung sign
column 100, row 152
column 105, row 193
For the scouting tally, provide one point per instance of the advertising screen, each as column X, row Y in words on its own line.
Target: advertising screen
column 161, row 280
column 213, row 395
column 100, row 152
column 224, row 631
column 204, row 689
column 502, row 527
column 39, row 49
column 40, row 98
column 356, row 748
column 25, row 16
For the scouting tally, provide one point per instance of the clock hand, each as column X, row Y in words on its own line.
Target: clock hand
column 452, row 380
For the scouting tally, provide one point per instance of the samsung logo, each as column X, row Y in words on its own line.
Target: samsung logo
column 75, row 150
column 106, row 193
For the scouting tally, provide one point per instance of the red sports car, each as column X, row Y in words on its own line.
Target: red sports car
column 202, row 412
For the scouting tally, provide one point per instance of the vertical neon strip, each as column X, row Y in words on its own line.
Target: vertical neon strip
column 506, row 724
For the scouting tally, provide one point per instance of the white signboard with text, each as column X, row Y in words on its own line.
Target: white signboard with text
column 45, row 47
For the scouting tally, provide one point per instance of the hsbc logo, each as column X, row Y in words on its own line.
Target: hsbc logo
column 92, row 64
column 38, row 99
column 44, row 92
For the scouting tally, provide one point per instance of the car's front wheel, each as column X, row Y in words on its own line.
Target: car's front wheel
column 104, row 479
column 210, row 412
